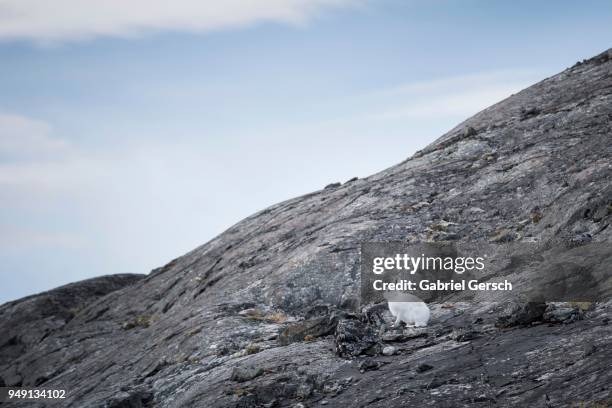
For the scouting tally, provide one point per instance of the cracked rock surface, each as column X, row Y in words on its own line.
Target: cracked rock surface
column 267, row 314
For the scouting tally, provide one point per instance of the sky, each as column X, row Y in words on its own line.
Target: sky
column 133, row 132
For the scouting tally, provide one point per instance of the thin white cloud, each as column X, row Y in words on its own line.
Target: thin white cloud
column 32, row 164
column 455, row 98
column 18, row 240
column 61, row 20
column 471, row 80
column 26, row 138
column 462, row 103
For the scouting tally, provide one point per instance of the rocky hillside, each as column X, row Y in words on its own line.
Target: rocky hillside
column 268, row 313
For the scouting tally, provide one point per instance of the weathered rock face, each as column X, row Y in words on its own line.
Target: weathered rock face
column 536, row 167
column 26, row 322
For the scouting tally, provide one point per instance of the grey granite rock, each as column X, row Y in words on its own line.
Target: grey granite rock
column 308, row 329
column 535, row 168
column 389, row 350
column 516, row 314
column 354, row 338
column 242, row 374
column 27, row 321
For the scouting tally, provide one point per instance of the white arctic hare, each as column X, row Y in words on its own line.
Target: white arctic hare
column 408, row 309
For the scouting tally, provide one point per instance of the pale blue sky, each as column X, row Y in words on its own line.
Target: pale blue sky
column 131, row 133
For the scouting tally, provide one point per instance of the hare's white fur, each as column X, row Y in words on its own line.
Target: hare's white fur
column 412, row 313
